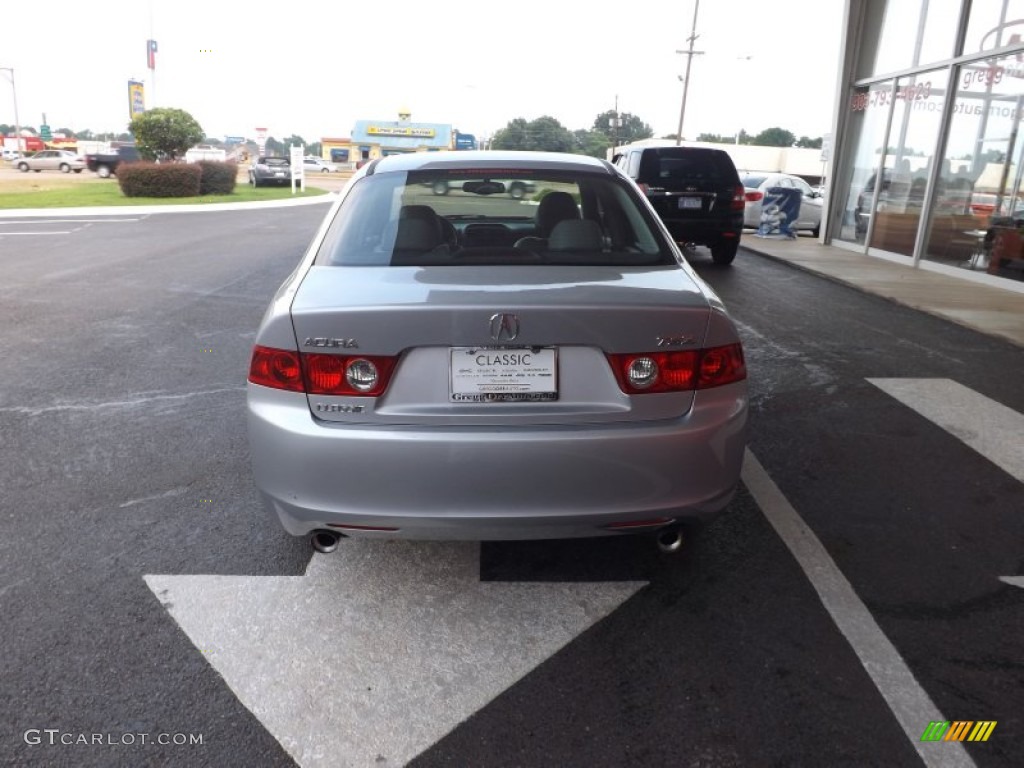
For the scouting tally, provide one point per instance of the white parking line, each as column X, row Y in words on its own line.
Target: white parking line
column 909, row 703
column 990, row 428
column 4, row 222
column 58, row 232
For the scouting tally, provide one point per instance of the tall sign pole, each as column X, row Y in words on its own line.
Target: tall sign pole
column 17, row 122
column 690, row 53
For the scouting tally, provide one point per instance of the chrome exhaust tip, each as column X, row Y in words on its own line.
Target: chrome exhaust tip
column 670, row 540
column 325, row 541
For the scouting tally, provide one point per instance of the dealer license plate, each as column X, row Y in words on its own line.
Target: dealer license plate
column 689, row 202
column 502, row 375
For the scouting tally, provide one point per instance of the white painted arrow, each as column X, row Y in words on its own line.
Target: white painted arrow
column 1013, row 581
column 382, row 648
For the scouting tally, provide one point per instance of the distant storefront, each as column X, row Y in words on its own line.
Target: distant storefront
column 928, row 167
column 371, row 139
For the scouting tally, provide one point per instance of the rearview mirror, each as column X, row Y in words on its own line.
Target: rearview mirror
column 483, row 187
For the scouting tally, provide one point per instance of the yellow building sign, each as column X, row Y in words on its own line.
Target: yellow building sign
column 136, row 98
column 407, row 131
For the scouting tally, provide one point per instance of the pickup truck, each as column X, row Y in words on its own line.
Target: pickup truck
column 106, row 165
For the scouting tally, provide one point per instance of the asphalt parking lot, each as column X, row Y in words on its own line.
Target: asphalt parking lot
column 851, row 595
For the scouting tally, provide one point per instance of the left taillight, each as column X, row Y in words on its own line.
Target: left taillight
column 276, row 368
column 647, row 373
column 350, row 375
column 318, row 374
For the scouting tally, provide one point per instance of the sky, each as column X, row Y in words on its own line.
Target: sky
column 235, row 67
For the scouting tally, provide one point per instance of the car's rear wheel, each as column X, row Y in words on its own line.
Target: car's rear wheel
column 724, row 253
column 103, row 171
column 440, row 187
column 517, row 191
column 65, row 168
column 23, row 167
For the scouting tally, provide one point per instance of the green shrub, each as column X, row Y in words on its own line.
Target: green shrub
column 218, row 178
column 159, row 179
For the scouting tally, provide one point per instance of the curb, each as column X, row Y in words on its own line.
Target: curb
column 122, row 210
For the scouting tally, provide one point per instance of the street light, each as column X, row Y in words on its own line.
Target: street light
column 17, row 122
column 690, row 53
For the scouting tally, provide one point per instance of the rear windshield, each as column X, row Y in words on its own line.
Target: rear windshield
column 275, row 161
column 677, row 165
column 751, row 181
column 428, row 218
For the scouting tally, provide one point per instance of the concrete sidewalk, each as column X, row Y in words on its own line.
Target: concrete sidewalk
column 984, row 308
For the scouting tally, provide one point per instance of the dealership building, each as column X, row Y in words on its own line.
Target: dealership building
column 371, row 139
column 926, row 166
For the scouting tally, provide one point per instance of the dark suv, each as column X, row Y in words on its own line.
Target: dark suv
column 696, row 192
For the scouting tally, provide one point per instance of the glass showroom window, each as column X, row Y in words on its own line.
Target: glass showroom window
column 868, row 113
column 981, row 170
column 907, row 34
column 994, row 23
column 913, row 134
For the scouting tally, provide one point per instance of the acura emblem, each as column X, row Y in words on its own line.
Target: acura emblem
column 504, row 326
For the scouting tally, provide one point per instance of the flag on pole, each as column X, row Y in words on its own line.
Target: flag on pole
column 151, row 54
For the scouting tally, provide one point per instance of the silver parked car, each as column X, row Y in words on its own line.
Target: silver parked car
column 51, row 160
column 757, row 184
column 479, row 367
column 318, row 165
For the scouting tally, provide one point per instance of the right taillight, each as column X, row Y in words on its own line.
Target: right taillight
column 753, row 196
column 646, row 373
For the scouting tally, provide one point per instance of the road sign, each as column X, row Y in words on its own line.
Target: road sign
column 44, row 132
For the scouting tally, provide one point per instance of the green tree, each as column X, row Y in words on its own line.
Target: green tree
column 314, row 149
column 714, row 138
column 774, row 137
column 66, row 132
column 808, row 143
column 593, row 143
column 165, row 131
column 545, row 134
column 275, row 148
column 630, row 127
column 294, row 140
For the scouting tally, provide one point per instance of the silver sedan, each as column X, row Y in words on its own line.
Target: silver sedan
column 477, row 367
column 51, row 160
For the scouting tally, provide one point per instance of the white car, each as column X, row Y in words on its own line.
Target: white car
column 318, row 165
column 756, row 184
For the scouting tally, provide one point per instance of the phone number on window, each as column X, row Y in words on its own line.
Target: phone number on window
column 880, row 98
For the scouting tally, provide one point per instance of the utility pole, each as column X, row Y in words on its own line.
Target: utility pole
column 17, row 122
column 690, row 53
column 615, row 123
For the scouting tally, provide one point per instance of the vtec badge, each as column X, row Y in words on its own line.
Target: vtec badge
column 323, row 341
column 337, row 408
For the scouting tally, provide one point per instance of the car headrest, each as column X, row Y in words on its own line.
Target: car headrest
column 416, row 235
column 579, row 235
column 555, row 207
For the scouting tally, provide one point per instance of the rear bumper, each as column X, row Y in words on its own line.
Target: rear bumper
column 705, row 231
column 485, row 483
